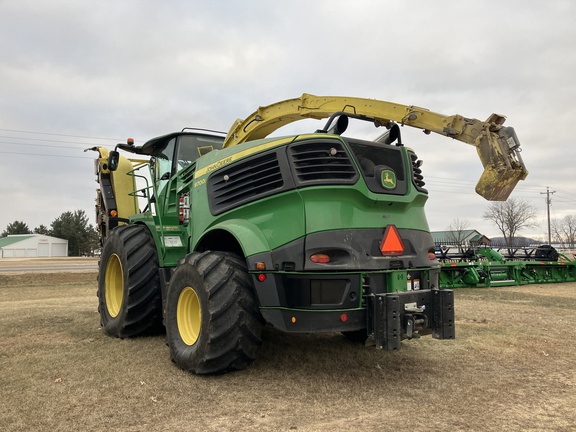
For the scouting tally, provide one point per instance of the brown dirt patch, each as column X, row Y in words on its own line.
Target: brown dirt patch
column 510, row 368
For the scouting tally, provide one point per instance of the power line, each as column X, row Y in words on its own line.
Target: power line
column 57, row 134
column 570, row 194
column 40, row 139
column 46, row 155
column 45, row 145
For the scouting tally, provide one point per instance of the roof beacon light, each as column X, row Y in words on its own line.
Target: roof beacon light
column 391, row 242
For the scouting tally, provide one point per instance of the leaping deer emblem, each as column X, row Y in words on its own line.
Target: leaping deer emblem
column 388, row 179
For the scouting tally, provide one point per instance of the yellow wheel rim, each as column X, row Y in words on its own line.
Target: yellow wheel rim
column 114, row 285
column 189, row 316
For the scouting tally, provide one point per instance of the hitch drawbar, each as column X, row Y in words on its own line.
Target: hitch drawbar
column 396, row 316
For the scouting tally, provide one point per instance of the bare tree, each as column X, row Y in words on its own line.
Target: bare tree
column 510, row 217
column 457, row 233
column 564, row 231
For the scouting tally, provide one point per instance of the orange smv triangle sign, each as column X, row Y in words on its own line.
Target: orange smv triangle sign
column 391, row 242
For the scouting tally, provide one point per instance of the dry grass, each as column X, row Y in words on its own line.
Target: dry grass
column 511, row 368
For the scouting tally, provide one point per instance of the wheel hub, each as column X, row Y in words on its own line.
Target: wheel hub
column 189, row 316
column 114, row 280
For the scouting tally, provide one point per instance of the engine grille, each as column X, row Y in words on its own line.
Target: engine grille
column 247, row 181
column 321, row 162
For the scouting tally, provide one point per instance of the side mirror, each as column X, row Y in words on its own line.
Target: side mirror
column 113, row 159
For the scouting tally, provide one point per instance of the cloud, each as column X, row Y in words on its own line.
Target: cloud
column 138, row 68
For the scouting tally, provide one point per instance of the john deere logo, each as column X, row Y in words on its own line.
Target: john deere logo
column 388, row 179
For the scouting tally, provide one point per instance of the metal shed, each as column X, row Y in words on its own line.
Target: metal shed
column 32, row 246
column 464, row 237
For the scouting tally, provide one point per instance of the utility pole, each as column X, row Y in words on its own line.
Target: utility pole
column 548, row 202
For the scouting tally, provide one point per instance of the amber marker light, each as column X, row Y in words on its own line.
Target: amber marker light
column 320, row 258
column 113, row 213
column 260, row 266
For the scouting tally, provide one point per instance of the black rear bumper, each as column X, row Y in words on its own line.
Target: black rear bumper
column 387, row 317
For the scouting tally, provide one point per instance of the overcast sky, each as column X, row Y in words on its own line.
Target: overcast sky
column 78, row 74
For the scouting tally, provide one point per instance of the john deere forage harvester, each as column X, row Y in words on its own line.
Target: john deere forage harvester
column 213, row 235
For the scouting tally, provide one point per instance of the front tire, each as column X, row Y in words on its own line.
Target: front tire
column 213, row 324
column 129, row 299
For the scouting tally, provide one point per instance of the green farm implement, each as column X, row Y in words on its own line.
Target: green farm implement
column 487, row 267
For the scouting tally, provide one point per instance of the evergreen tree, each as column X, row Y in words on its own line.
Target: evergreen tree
column 42, row 229
column 74, row 227
column 16, row 227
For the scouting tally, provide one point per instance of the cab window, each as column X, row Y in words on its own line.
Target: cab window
column 191, row 147
column 163, row 165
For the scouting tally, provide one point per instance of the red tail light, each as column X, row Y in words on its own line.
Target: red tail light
column 320, row 258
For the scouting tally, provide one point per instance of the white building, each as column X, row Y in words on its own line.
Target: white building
column 32, row 246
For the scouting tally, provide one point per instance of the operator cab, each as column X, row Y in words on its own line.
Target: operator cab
column 172, row 152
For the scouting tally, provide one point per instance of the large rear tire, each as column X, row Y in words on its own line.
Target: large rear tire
column 129, row 298
column 213, row 323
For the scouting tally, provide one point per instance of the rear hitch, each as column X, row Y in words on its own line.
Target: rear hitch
column 405, row 315
column 413, row 323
